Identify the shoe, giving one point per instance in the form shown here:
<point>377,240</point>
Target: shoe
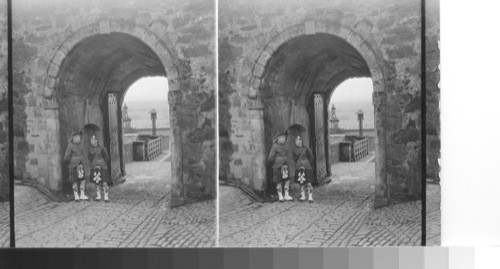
<point>75,193</point>
<point>311,197</point>
<point>280,195</point>
<point>106,198</point>
<point>287,196</point>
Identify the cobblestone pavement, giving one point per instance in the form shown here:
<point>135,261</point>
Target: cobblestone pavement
<point>138,216</point>
<point>4,224</point>
<point>342,215</point>
<point>433,215</point>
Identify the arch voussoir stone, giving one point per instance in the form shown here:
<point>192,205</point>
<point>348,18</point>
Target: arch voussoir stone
<point>258,70</point>
<point>355,39</point>
<point>59,56</point>
<point>150,39</point>
<point>159,28</point>
<point>53,69</point>
<point>105,27</point>
<point>264,57</point>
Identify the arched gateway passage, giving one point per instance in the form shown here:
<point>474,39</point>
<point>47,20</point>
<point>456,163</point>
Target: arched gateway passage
<point>89,76</point>
<point>92,83</point>
<point>297,79</point>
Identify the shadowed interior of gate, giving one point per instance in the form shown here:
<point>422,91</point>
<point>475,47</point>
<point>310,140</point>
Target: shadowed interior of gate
<point>93,68</point>
<point>300,68</point>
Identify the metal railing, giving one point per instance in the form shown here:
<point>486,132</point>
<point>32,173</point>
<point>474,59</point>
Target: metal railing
<point>153,148</point>
<point>353,148</point>
<point>360,149</point>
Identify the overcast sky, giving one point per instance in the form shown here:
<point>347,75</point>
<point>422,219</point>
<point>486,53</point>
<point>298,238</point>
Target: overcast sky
<point>148,89</point>
<point>156,89</point>
<point>353,90</point>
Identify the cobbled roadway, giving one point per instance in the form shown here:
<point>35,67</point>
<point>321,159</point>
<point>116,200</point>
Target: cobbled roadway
<point>342,215</point>
<point>138,216</point>
<point>4,225</point>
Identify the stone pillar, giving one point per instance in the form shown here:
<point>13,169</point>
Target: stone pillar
<point>258,145</point>
<point>153,120</point>
<point>177,190</point>
<point>53,144</point>
<point>360,120</point>
<point>381,196</point>
<point>258,149</point>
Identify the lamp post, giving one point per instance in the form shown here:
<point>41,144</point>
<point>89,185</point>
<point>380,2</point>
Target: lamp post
<point>360,120</point>
<point>153,120</point>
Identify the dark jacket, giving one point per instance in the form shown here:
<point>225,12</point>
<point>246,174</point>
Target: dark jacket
<point>278,155</point>
<point>73,155</point>
<point>98,156</point>
<point>303,156</point>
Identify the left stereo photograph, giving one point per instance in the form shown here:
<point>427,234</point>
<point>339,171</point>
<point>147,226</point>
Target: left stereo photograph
<point>4,160</point>
<point>114,123</point>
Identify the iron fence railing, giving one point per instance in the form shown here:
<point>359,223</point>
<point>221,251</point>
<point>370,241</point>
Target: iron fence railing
<point>360,149</point>
<point>353,148</point>
<point>153,148</point>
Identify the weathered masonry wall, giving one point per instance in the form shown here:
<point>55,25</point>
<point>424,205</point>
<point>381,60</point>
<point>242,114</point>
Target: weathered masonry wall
<point>432,58</point>
<point>4,176</point>
<point>387,35</point>
<point>177,34</point>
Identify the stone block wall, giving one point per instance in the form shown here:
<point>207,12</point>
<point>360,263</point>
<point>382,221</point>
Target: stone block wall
<point>4,123</point>
<point>181,32</point>
<point>432,55</point>
<point>388,28</point>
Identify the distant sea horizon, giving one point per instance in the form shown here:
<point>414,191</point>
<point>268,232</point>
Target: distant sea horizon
<point>346,113</point>
<point>138,111</point>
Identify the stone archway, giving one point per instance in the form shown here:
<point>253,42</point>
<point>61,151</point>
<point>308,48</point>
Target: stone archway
<point>298,70</point>
<point>96,64</point>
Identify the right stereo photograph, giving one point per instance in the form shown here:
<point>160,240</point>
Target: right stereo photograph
<point>321,123</point>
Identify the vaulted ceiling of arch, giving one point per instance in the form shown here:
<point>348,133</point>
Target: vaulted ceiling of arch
<point>105,63</point>
<point>311,63</point>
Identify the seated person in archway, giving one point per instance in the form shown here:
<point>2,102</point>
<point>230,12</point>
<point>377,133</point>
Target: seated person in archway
<point>74,158</point>
<point>99,157</point>
<point>278,157</point>
<point>303,158</point>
